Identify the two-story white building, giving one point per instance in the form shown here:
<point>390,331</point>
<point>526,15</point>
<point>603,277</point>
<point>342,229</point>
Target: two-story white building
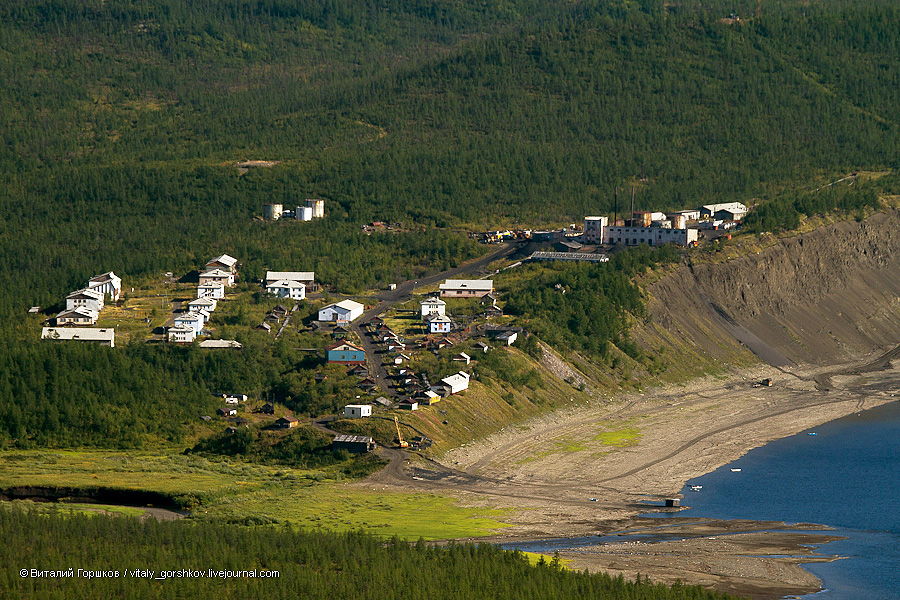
<point>206,303</point>
<point>433,306</point>
<point>190,319</point>
<point>285,288</point>
<point>91,299</point>
<point>215,291</point>
<point>78,316</point>
<point>436,323</point>
<point>182,334</point>
<point>107,283</point>
<point>652,236</point>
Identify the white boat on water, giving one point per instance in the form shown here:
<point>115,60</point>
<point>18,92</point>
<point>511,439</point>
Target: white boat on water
<point>696,488</point>
<point>735,470</point>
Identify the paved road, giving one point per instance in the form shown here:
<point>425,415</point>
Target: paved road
<point>404,291</point>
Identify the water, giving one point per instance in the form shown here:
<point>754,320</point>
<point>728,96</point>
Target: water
<point>846,476</point>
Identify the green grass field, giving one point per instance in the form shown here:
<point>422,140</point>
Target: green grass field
<point>237,492</point>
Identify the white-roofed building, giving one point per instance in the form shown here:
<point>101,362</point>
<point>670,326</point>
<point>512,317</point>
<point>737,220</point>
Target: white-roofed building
<point>304,277</point>
<point>433,306</point>
<point>190,319</point>
<point>206,303</point>
<point>466,288</point>
<point>226,278</point>
<point>211,290</point>
<point>456,383</point>
<point>735,211</point>
<point>104,337</point>
<point>86,298</point>
<point>285,288</point>
<point>691,214</point>
<point>107,283</point>
<point>357,411</point>
<point>182,334</point>
<point>438,323</point>
<point>652,236</point>
<point>78,316</point>
<point>221,344</point>
<point>345,311</point>
<point>224,262</point>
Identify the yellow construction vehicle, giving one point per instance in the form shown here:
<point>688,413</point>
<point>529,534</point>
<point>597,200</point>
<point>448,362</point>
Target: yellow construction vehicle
<point>403,443</point>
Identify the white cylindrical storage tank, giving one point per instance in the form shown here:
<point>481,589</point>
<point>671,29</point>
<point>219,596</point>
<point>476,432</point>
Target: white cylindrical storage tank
<point>304,213</point>
<point>678,221</point>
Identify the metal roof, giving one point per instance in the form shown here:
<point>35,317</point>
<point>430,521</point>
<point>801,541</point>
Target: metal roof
<point>91,293</point>
<point>569,256</point>
<point>226,260</point>
<point>357,439</point>
<point>220,344</point>
<point>82,334</point>
<point>286,283</point>
<point>215,273</point>
<point>290,275</point>
<point>468,284</point>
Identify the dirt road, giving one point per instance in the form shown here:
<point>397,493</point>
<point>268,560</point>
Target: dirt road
<point>404,291</point>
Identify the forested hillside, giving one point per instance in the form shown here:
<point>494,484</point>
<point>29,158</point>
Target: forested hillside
<point>307,565</point>
<point>123,120</point>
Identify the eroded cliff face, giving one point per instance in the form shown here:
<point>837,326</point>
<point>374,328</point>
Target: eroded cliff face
<point>823,297</point>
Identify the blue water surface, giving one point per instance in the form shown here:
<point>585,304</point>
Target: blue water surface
<point>845,474</point>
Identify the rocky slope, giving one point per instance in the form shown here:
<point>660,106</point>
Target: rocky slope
<point>823,297</point>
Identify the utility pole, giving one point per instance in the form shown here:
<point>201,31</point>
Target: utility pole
<point>616,209</point>
<point>632,204</point>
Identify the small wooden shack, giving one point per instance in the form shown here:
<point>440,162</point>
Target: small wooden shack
<point>357,444</point>
<point>286,422</point>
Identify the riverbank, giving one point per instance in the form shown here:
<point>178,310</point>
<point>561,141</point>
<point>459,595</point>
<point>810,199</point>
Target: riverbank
<point>592,470</point>
<point>755,559</point>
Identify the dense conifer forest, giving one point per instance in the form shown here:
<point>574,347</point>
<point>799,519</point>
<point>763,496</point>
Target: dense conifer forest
<point>348,566</point>
<point>585,307</point>
<point>123,121</point>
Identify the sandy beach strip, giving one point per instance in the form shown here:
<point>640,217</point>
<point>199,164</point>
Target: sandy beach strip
<point>563,480</point>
